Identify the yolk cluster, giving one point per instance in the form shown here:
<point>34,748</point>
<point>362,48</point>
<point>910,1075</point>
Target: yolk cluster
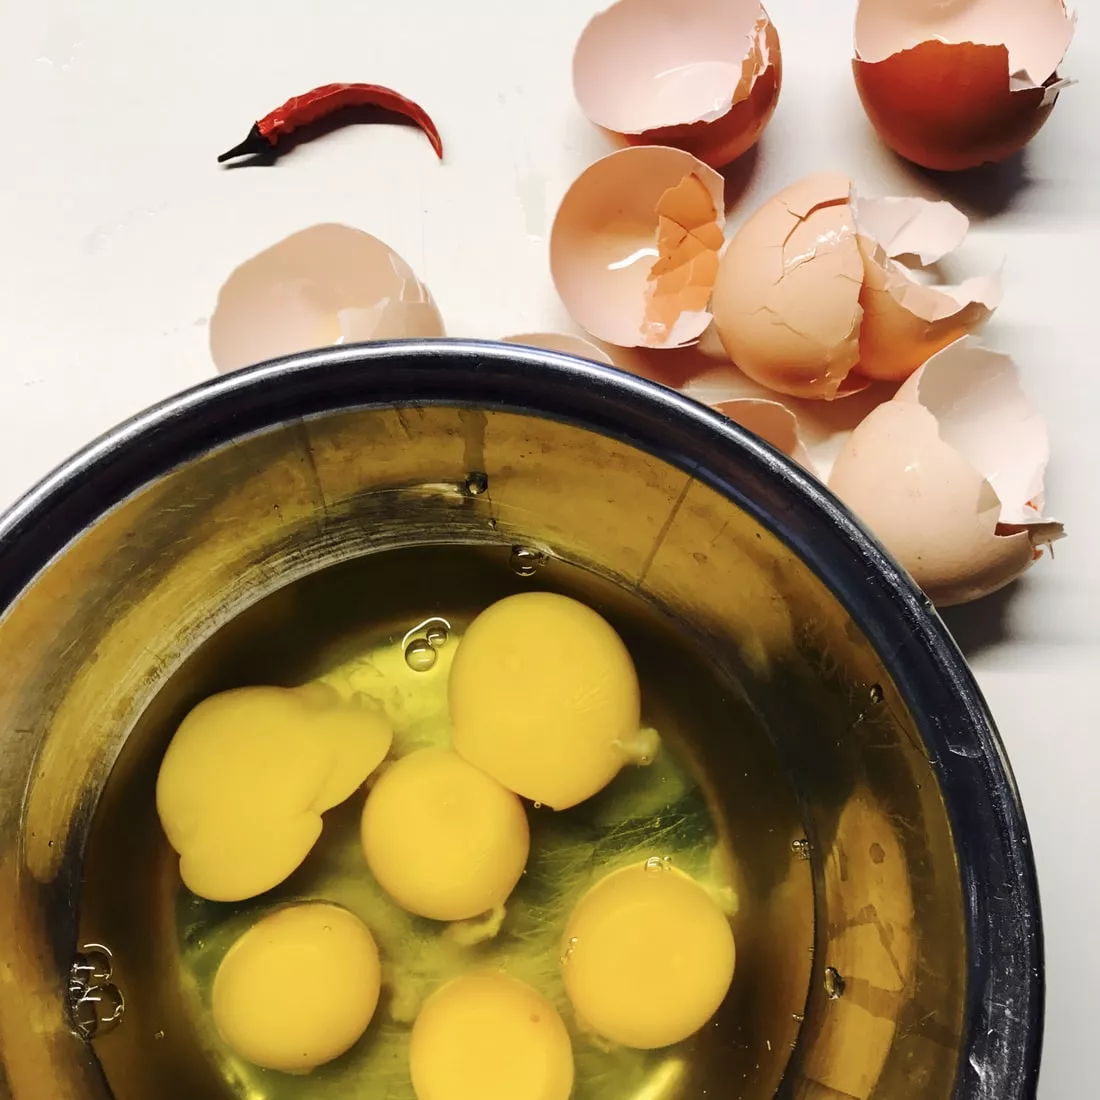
<point>545,705</point>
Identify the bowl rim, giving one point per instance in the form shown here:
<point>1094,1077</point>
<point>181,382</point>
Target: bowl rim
<point>1003,1020</point>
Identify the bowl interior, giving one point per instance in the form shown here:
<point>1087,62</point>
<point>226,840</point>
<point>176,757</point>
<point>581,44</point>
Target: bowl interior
<point>264,559</point>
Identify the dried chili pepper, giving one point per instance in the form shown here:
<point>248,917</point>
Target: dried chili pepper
<point>322,102</point>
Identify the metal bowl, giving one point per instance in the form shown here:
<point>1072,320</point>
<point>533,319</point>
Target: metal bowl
<point>904,957</point>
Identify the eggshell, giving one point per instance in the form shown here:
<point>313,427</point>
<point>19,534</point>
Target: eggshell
<point>563,342</point>
<point>772,421</point>
<point>701,75</point>
<point>811,300</point>
<point>954,86</point>
<point>949,475</point>
<point>635,244</point>
<point>786,300</point>
<point>904,321</point>
<point>325,285</point>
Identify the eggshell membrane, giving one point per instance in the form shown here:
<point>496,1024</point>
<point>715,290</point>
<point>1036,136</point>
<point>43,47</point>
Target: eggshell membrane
<point>635,244</point>
<point>925,486</point>
<point>247,775</point>
<point>786,300</point>
<point>561,341</point>
<point>952,87</point>
<point>701,75</point>
<point>325,285</point>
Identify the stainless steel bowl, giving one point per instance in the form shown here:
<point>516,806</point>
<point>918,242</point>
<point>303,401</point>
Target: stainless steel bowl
<point>906,959</point>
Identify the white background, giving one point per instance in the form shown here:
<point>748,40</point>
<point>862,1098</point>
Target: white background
<point>117,228</point>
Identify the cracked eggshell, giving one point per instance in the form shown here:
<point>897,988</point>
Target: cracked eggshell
<point>906,322</point>
<point>701,75</point>
<point>635,244</point>
<point>948,475</point>
<point>561,341</point>
<point>953,86</point>
<point>786,300</point>
<point>325,285</point>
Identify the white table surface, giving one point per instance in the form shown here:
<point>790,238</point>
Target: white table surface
<point>117,229</point>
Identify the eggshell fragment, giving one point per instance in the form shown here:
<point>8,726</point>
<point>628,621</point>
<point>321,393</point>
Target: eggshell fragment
<point>563,342</point>
<point>635,244</point>
<point>701,75</point>
<point>954,86</point>
<point>811,300</point>
<point>325,285</point>
<point>905,322</point>
<point>949,475</point>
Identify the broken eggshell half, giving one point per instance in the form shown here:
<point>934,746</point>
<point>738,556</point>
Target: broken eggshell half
<point>701,75</point>
<point>635,244</point>
<point>326,285</point>
<point>561,341</point>
<point>953,86</point>
<point>812,301</point>
<point>949,475</point>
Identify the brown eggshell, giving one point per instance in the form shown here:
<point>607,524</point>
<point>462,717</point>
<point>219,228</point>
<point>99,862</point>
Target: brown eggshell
<point>326,285</point>
<point>561,341</point>
<point>772,421</point>
<point>930,508</point>
<point>947,107</point>
<point>954,86</point>
<point>905,323</point>
<point>635,244</point>
<point>786,301</point>
<point>701,75</point>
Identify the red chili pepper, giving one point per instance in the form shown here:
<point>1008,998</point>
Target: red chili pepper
<point>322,102</point>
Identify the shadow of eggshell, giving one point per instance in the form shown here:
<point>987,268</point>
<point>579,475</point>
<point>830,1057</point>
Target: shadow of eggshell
<point>635,244</point>
<point>955,86</point>
<point>701,75</point>
<point>326,285</point>
<point>563,342</point>
<point>949,475</point>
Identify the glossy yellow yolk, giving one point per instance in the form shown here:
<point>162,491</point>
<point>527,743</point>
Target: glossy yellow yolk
<point>544,697</point>
<point>443,839</point>
<point>490,1037</point>
<point>647,956</point>
<point>298,988</point>
<point>247,776</point>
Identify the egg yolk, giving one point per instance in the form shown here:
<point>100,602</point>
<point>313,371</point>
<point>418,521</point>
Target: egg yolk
<point>298,988</point>
<point>443,839</point>
<point>487,1036</point>
<point>647,956</point>
<point>247,776</point>
<point>544,697</point>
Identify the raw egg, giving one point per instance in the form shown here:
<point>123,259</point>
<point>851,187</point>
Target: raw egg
<point>647,956</point>
<point>488,1036</point>
<point>949,475</point>
<point>956,85</point>
<point>326,285</point>
<point>249,772</point>
<point>701,75</point>
<point>298,988</point>
<point>443,839</point>
<point>812,301</point>
<point>634,247</point>
<point>544,698</point>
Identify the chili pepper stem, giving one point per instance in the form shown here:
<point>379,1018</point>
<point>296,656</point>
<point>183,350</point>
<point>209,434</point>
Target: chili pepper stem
<point>255,143</point>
